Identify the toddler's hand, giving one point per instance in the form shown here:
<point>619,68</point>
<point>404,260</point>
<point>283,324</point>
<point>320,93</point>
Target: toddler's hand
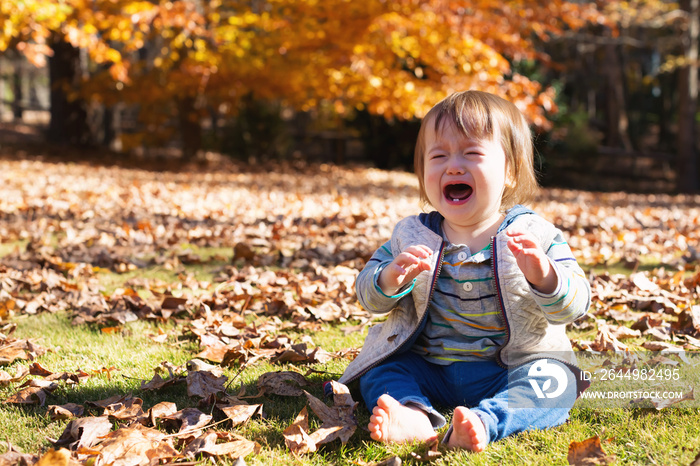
<point>404,268</point>
<point>532,260</point>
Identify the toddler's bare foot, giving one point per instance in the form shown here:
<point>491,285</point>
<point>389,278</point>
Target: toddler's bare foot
<point>468,431</point>
<point>392,422</point>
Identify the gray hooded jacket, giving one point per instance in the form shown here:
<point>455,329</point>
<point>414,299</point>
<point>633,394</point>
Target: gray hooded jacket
<point>529,333</point>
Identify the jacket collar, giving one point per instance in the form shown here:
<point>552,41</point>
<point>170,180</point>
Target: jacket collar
<point>433,220</point>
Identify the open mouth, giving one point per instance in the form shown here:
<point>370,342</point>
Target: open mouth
<point>458,192</point>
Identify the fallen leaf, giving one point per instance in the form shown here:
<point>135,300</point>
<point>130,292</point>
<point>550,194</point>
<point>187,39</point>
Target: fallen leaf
<point>109,401</point>
<point>61,457</point>
<point>194,365</point>
<point>240,413</point>
<point>622,332</point>
<point>689,321</point>
<point>204,384</point>
<point>129,409</point>
<point>189,420</point>
<point>606,341</point>
<point>134,446</point>
<point>238,448</point>
<point>588,453</point>
<point>66,411</point>
<point>83,432</point>
<point>161,410</point>
<point>13,456</point>
<point>642,282</point>
<point>427,453</point>
<point>296,436</point>
<point>661,346</point>
<point>337,421</point>
<point>661,403</point>
<point>157,382</point>
<point>20,373</point>
<point>32,395</point>
<point>284,383</point>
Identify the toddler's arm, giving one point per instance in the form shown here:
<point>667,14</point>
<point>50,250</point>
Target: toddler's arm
<point>559,285</point>
<point>384,279</point>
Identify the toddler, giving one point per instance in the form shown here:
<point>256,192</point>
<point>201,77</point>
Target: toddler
<point>477,292</point>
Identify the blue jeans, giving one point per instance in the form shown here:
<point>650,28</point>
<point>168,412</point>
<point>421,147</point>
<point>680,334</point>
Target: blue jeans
<point>505,400</point>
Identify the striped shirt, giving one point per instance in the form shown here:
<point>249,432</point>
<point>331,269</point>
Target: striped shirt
<point>464,320</point>
<point>464,323</point>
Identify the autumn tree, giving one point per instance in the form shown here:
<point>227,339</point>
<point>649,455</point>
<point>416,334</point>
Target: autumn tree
<point>688,174</point>
<point>394,59</point>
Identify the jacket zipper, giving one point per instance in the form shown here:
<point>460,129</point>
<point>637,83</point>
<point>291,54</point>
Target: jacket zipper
<point>438,269</point>
<point>499,302</point>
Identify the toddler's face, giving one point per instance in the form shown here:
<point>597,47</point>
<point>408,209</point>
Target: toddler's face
<point>464,177</point>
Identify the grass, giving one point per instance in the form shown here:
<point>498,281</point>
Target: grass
<point>636,436</point>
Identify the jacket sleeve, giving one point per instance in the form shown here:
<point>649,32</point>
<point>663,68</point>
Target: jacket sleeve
<point>572,297</point>
<point>369,294</point>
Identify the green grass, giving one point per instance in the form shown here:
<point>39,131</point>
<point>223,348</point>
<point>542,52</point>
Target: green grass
<point>12,246</point>
<point>636,436</point>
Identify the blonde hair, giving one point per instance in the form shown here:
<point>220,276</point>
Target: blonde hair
<point>480,115</point>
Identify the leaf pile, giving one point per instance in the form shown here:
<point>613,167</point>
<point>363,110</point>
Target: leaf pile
<point>119,430</point>
<point>290,243</point>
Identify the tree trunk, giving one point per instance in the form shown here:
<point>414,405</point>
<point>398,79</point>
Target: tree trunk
<point>190,127</point>
<point>68,114</point>
<point>687,168</point>
<point>616,111</point>
<point>17,105</point>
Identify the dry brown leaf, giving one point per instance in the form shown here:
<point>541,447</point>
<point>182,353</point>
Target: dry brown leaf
<point>428,452</point>
<point>661,346</point>
<point>134,446</point>
<point>238,448</point>
<point>284,383</point>
<point>13,456</point>
<point>61,457</point>
<point>661,403</point>
<point>196,445</point>
<point>109,401</point>
<point>588,453</point>
<point>606,341</point>
<point>188,420</point>
<point>84,432</point>
<point>622,332</point>
<point>66,411</point>
<point>12,350</point>
<point>31,395</point>
<point>689,321</point>
<point>20,373</point>
<point>337,421</point>
<point>204,384</point>
<point>296,436</point>
<point>162,409</point>
<point>216,352</point>
<point>300,353</point>
<point>157,382</point>
<point>240,413</point>
<point>647,321</point>
<point>129,409</point>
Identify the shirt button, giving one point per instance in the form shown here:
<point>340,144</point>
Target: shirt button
<point>467,286</point>
<point>462,256</point>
